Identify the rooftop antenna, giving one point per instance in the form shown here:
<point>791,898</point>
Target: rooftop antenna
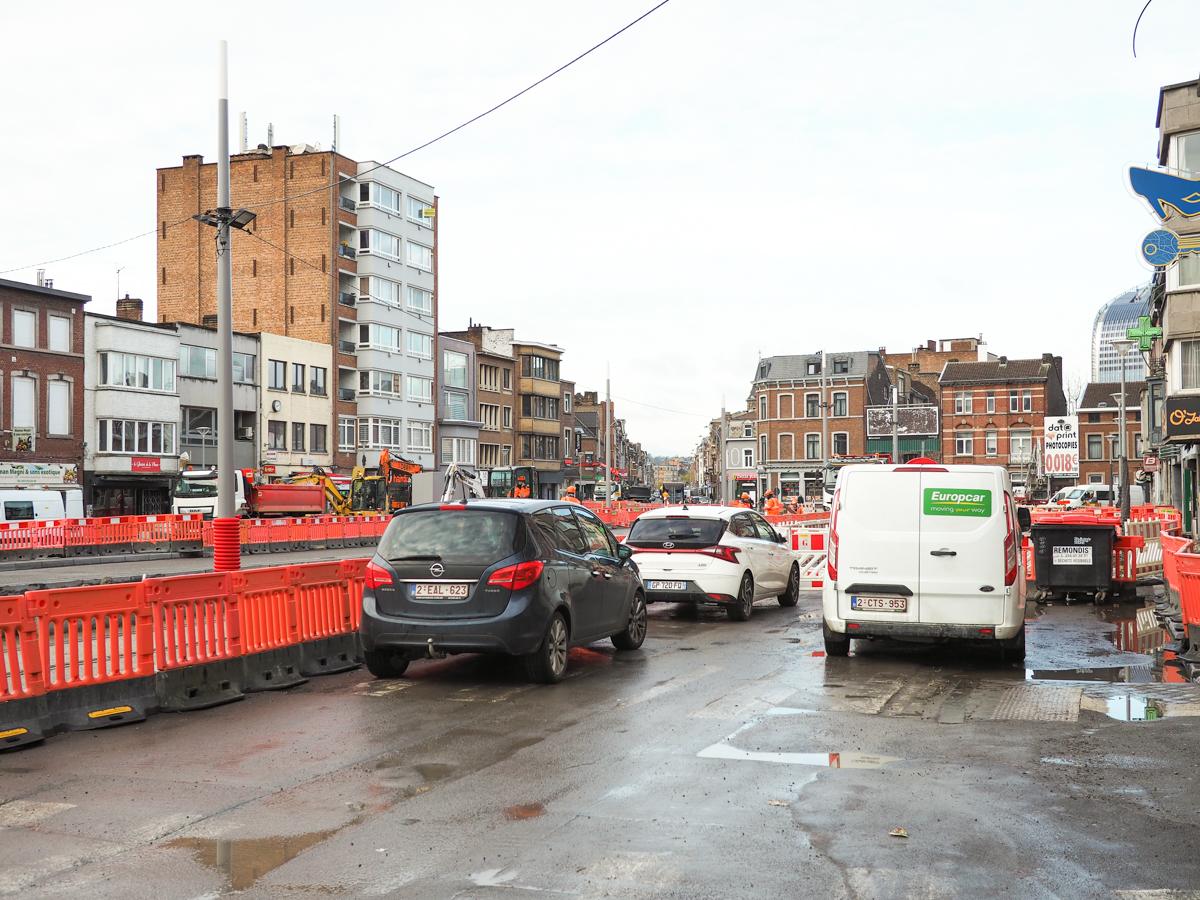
<point>270,135</point>
<point>337,131</point>
<point>119,268</point>
<point>244,141</point>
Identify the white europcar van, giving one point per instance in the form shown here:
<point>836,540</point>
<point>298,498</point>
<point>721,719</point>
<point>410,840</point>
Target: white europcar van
<point>925,552</point>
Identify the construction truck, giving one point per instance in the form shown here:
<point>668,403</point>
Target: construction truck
<point>386,492</point>
<point>196,492</point>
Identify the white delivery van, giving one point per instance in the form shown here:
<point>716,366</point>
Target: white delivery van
<point>40,505</point>
<point>925,552</point>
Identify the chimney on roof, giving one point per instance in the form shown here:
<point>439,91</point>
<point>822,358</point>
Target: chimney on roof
<point>1047,357</point>
<point>931,346</point>
<point>1003,361</point>
<point>41,278</point>
<point>129,308</point>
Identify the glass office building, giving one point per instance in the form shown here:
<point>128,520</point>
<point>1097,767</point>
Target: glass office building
<point>1112,321</point>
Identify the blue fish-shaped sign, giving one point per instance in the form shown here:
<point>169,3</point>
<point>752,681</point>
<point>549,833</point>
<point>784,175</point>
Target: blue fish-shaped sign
<point>1166,192</point>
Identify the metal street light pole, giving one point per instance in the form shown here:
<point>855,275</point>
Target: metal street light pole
<point>824,404</point>
<point>1123,346</point>
<point>607,442</point>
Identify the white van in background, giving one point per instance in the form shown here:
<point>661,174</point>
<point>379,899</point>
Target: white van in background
<point>40,505</point>
<point>925,552</point>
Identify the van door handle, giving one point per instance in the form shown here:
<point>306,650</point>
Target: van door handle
<point>943,552</point>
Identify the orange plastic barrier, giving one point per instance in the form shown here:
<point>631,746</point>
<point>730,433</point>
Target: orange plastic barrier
<point>1188,568</point>
<point>322,605</point>
<point>20,662</point>
<point>267,606</point>
<point>354,572</point>
<point>92,635</point>
<point>195,619</point>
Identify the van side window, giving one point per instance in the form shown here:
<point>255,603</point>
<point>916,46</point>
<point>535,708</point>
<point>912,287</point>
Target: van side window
<point>18,510</point>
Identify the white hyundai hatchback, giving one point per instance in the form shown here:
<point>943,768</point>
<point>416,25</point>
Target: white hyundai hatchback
<point>720,555</point>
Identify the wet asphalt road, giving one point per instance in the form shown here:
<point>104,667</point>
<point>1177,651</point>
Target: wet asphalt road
<point>721,760</point>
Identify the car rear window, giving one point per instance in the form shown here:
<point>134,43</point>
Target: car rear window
<point>682,531</point>
<point>457,537</point>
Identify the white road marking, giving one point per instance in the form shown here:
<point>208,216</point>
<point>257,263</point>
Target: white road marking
<point>723,750</point>
<point>23,813</point>
<point>383,690</point>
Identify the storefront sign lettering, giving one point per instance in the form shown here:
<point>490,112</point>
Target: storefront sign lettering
<point>1183,417</point>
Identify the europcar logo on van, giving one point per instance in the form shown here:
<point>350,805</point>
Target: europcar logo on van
<point>947,502</point>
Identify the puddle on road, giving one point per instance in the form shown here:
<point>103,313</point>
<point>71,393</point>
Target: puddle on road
<point>839,760</point>
<point>1130,708</point>
<point>244,861</point>
<point>410,780</point>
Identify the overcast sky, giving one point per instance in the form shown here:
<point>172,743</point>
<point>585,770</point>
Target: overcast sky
<point>725,180</point>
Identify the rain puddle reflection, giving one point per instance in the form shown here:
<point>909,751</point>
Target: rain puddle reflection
<point>244,861</point>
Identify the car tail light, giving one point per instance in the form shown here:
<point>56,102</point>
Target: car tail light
<point>831,552</point>
<point>725,554</point>
<point>446,506</point>
<point>1010,546</point>
<point>518,577</point>
<point>377,576</point>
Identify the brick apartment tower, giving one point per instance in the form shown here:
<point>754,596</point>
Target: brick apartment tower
<point>295,272</point>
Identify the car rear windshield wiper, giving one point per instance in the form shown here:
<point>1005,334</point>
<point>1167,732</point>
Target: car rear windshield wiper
<point>431,557</point>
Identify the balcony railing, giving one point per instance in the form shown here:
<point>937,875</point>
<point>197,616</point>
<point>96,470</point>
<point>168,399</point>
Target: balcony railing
<point>347,251</point>
<point>348,204</point>
<point>347,298</point>
<point>346,394</point>
<point>347,347</point>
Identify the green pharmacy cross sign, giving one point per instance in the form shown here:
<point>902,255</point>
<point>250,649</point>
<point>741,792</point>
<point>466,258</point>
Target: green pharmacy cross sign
<point>1144,333</point>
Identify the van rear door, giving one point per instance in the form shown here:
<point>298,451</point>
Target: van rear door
<point>879,565</point>
<point>963,526</point>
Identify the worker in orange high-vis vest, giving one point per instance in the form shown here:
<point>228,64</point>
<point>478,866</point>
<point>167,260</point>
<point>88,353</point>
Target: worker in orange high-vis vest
<point>571,496</point>
<point>772,506</point>
<point>521,491</point>
<point>744,501</point>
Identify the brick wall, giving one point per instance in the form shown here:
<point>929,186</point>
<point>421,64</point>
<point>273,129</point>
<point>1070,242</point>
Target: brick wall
<point>979,421</point>
<point>1105,468</point>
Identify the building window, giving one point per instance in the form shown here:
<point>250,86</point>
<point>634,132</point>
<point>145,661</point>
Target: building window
<point>506,379</point>
<point>420,437</point>
<point>60,334</point>
<point>489,377</point>
<point>382,289</point>
<point>379,242</point>
<point>1020,446</point>
<point>1189,364</point>
<point>489,455</point>
<point>539,367</point>
<point>841,443</point>
<point>276,375</point>
<point>454,369</point>
<point>243,368</point>
<point>812,446</point>
<point>1185,153</point>
<point>812,406</point>
<point>381,384</point>
<point>345,432</point>
<point>127,436</point>
<point>199,427</point>
<point>506,455</point>
<point>317,378</point>
<point>1186,272</point>
<point>962,402</point>
<point>197,362</point>
<point>420,256</point>
<point>420,300</point>
<point>1095,478</point>
<point>748,457</point>
<point>378,432</point>
<point>419,390</point>
<point>538,407</point>
<point>317,438</point>
<point>1093,418</point>
<point>132,371</point>
<point>841,366</point>
<point>747,430</point>
<point>539,446</point>
<point>58,408</point>
<point>964,444</point>
<point>787,446</point>
<point>762,448</point>
<point>419,345</point>
<point>506,418</point>
<point>24,405</point>
<point>1027,401</point>
<point>456,404</point>
<point>379,337</point>
<point>841,404</point>
<point>1095,446</point>
<point>298,378</point>
<point>991,443</point>
<point>813,367</point>
<point>276,435</point>
<point>416,210</point>
<point>762,406</point>
<point>298,437</point>
<point>1014,402</point>
<point>785,406</point>
<point>381,196</point>
<point>24,328</point>
<point>1114,446</point>
<point>489,415</point>
<point>458,450</point>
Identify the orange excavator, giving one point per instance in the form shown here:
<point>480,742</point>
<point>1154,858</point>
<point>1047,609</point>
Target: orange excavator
<point>390,490</point>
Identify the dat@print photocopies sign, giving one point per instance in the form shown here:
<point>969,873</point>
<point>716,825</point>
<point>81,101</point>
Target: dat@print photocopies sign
<point>1061,445</point>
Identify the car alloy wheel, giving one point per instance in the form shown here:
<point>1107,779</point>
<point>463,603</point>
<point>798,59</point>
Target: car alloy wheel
<point>637,619</point>
<point>556,647</point>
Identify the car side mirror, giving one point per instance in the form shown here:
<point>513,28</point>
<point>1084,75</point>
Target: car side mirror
<point>624,552</point>
<point>1024,519</point>
<point>779,538</point>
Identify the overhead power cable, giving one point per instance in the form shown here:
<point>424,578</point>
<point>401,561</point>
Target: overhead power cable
<point>398,157</point>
